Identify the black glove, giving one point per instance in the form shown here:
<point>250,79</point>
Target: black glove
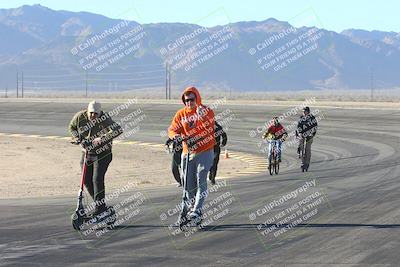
<point>84,143</point>
<point>191,142</point>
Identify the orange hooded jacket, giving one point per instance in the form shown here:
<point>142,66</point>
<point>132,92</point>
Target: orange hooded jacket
<point>196,123</point>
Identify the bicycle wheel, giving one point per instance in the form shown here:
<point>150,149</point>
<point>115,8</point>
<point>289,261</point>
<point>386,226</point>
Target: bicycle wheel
<point>271,168</point>
<point>276,167</point>
<point>272,161</point>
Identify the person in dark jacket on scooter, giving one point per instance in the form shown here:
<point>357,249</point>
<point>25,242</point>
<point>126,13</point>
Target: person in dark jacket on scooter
<point>220,141</point>
<point>306,130</point>
<point>97,129</point>
<point>176,151</point>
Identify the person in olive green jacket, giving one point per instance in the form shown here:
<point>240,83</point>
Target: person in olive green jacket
<point>96,129</point>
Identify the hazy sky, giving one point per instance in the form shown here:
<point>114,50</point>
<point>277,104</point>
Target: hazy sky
<point>333,15</point>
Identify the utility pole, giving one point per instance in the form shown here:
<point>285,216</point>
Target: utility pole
<point>166,80</point>
<point>17,83</point>
<point>22,85</point>
<point>86,84</point>
<point>372,83</point>
<point>169,83</point>
<point>6,90</point>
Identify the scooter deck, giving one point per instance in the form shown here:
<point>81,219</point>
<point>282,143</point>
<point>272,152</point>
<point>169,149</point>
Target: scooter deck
<point>190,223</point>
<point>78,220</point>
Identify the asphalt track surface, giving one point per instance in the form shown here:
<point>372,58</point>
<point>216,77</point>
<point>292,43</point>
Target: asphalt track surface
<point>355,164</point>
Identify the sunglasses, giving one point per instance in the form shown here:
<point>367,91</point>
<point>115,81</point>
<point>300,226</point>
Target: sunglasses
<point>190,100</point>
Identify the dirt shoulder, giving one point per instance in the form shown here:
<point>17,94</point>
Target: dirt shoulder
<point>34,167</point>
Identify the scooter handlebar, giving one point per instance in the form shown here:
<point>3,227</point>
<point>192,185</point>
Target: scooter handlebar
<point>82,142</point>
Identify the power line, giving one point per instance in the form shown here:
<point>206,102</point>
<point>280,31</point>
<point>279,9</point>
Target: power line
<point>92,73</point>
<point>93,81</point>
<point>78,67</point>
<point>54,76</point>
<point>50,82</point>
<point>137,79</point>
<point>80,81</point>
<point>126,73</point>
<point>97,86</point>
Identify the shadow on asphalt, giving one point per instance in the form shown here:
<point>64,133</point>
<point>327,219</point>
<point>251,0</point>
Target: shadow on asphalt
<point>223,227</point>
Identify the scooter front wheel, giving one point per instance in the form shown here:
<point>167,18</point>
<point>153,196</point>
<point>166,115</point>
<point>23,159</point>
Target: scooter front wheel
<point>77,221</point>
<point>112,217</point>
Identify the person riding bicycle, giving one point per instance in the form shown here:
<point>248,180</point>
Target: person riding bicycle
<point>275,132</point>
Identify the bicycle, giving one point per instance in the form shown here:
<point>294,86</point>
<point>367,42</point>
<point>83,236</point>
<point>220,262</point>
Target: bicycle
<point>273,161</point>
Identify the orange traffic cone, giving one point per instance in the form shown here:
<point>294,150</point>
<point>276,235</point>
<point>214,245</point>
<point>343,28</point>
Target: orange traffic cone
<point>226,154</point>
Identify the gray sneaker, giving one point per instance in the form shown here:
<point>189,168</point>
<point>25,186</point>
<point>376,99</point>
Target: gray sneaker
<point>195,217</point>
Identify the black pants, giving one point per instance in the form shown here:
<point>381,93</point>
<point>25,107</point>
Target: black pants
<point>214,168</point>
<point>94,180</point>
<point>176,162</point>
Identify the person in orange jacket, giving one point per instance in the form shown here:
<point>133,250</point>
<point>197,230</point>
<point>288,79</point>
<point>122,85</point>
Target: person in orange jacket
<point>194,124</point>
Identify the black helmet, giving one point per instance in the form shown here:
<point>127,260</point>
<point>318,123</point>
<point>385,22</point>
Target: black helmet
<point>306,109</point>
